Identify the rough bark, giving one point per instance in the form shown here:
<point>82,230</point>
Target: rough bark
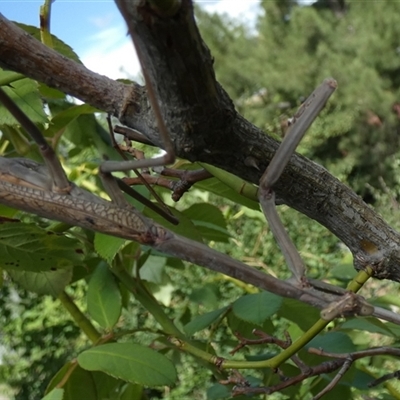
<point>203,123</point>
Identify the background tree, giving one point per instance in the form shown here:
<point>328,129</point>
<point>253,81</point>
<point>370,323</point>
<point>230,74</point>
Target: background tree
<point>267,72</point>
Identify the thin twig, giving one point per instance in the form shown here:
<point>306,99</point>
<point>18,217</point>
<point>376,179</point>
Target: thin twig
<point>344,368</point>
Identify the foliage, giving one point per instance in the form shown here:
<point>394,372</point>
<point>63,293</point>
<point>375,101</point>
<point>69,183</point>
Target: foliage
<point>292,50</point>
<point>145,326</point>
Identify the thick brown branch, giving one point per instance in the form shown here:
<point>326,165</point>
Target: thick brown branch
<point>204,125</point>
<point>20,52</point>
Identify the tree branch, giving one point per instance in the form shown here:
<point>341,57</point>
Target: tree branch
<point>203,123</point>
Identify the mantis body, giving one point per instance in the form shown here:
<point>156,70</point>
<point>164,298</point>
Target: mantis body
<point>42,190</point>
<point>46,191</point>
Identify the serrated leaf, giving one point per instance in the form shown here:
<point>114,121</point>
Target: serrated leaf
<point>130,362</point>
<point>26,95</point>
<point>107,246</point>
<point>245,328</point>
<point>50,93</point>
<point>203,321</point>
<point>209,221</point>
<point>104,300</point>
<point>65,117</point>
<point>55,394</point>
<point>334,342</point>
<point>256,308</point>
<point>207,213</point>
<point>153,270</point>
<point>58,45</point>
<point>44,282</point>
<point>301,314</point>
<point>26,247</point>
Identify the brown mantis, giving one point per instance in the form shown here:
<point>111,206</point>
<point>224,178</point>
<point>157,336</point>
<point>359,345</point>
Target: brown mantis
<point>46,191</point>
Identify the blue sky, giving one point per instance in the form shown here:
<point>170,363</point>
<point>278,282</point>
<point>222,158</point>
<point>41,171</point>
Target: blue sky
<point>97,32</point>
<point>71,20</point>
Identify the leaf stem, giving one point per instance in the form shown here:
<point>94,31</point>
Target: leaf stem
<point>354,286</point>
<point>145,298</point>
<point>45,14</point>
<point>79,318</point>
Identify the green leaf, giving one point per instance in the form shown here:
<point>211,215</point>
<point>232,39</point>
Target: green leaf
<point>58,45</point>
<point>50,93</point>
<point>218,391</point>
<point>59,376</point>
<point>107,246</point>
<point>8,212</point>
<point>80,385</point>
<point>26,247</point>
<point>210,231</point>
<point>334,342</point>
<point>207,295</point>
<point>301,314</point>
<point>106,385</point>
<point>209,221</point>
<point>8,77</point>
<point>203,321</point>
<point>26,95</point>
<point>360,380</point>
<point>230,186</point>
<point>132,391</point>
<point>256,308</point>
<point>153,270</point>
<point>367,325</point>
<point>44,282</point>
<point>56,394</point>
<point>246,329</point>
<point>65,117</point>
<point>131,362</point>
<point>185,227</point>
<point>343,272</point>
<point>340,391</point>
<point>206,212</point>
<point>104,300</point>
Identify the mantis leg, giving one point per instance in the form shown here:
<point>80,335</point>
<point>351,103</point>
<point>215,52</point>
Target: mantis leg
<point>301,121</point>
